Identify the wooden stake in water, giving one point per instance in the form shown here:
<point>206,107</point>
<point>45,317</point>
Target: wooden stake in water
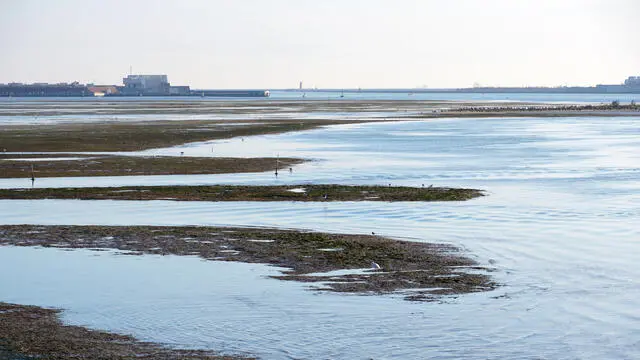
<point>277,161</point>
<point>33,176</point>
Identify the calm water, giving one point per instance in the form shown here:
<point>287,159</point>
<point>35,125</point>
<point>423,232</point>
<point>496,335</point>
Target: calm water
<point>335,95</point>
<point>560,227</point>
<point>546,98</point>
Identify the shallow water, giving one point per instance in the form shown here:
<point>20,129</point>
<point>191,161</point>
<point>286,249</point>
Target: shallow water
<point>335,95</point>
<point>560,226</point>
<point>237,118</point>
<point>327,105</point>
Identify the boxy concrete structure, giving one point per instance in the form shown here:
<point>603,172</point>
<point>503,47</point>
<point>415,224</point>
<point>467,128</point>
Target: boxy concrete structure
<point>146,85</point>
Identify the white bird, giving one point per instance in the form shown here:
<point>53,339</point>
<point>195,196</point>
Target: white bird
<point>375,266</point>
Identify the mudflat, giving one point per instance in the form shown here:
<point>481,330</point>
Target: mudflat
<point>415,270</point>
<point>143,135</point>
<point>31,332</point>
<point>59,140</point>
<point>12,166</point>
<point>250,193</point>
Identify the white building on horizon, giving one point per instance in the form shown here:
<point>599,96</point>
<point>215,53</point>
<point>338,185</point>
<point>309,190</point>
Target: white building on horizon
<point>632,81</point>
<point>146,85</point>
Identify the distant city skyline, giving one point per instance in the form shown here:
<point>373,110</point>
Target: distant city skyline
<point>324,44</point>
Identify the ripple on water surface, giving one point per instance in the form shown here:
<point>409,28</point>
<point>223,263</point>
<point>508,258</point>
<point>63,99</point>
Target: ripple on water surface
<point>559,225</point>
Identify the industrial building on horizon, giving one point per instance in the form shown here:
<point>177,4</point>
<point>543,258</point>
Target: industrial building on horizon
<point>632,81</point>
<point>631,84</point>
<point>150,85</point>
<point>133,85</point>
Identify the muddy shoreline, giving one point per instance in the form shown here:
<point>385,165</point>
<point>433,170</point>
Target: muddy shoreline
<point>31,332</point>
<point>12,166</point>
<point>141,135</point>
<point>249,193</point>
<point>20,145</point>
<point>415,270</point>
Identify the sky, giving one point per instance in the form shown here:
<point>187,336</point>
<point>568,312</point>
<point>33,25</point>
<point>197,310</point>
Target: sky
<point>275,44</point>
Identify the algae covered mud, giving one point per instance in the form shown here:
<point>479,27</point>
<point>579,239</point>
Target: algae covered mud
<point>31,332</point>
<point>104,149</point>
<point>428,270</point>
<point>38,167</point>
<point>308,192</point>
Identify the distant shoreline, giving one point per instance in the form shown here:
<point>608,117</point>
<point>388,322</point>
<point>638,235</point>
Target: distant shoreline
<point>80,92</point>
<point>482,90</point>
<point>543,110</point>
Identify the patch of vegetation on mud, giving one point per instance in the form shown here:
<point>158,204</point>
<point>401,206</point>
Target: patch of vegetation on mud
<point>417,270</point>
<point>249,193</point>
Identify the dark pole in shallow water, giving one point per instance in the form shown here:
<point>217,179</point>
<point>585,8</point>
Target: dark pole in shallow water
<point>277,159</point>
<point>33,176</point>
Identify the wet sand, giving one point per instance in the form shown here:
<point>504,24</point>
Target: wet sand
<point>31,332</point>
<point>249,193</point>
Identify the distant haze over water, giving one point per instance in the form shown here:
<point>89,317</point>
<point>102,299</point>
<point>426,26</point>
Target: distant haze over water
<point>408,95</point>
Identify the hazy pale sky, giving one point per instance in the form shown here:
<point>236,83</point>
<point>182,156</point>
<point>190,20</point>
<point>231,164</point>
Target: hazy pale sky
<point>325,43</point>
